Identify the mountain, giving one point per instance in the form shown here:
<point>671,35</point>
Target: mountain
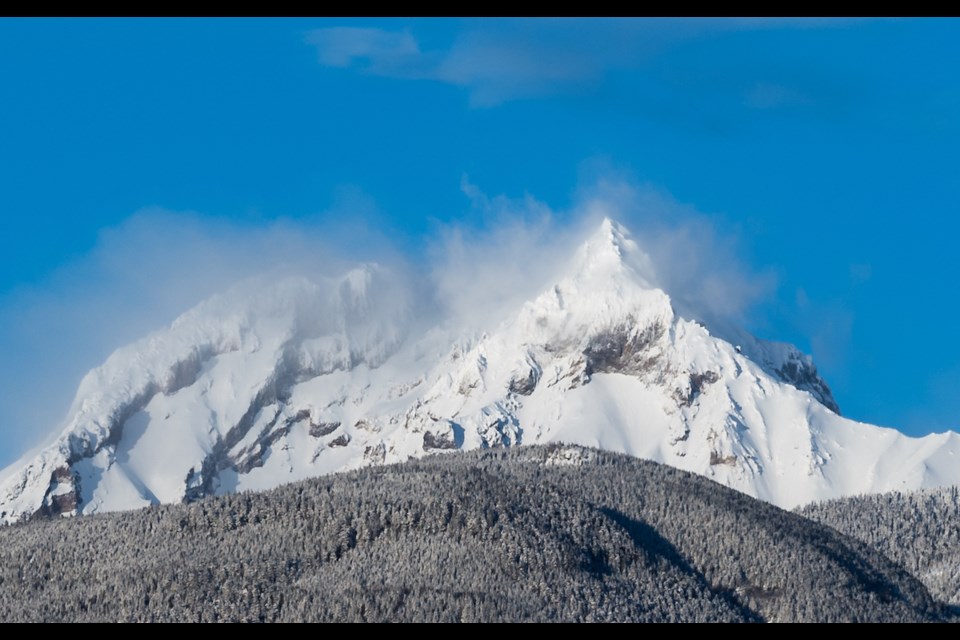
<point>284,379</point>
<point>920,530</point>
<point>539,533</point>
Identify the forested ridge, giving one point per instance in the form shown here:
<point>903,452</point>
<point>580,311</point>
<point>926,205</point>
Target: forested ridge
<point>918,529</point>
<point>551,533</point>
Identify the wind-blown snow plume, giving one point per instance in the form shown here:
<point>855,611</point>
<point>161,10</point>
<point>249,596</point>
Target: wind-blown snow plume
<point>697,260</point>
<point>694,260</point>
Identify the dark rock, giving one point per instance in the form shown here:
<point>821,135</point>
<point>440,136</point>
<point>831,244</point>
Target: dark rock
<point>63,503</point>
<point>698,382</point>
<point>525,385</point>
<point>300,416</point>
<point>323,428</point>
<point>342,441</point>
<point>250,463</point>
<point>623,349</point>
<point>252,456</point>
<point>185,372</point>
<point>375,453</point>
<point>62,474</point>
<point>438,441</point>
<point>716,458</point>
<point>801,373</point>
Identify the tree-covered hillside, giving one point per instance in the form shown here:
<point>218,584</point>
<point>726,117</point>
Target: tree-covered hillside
<point>532,533</point>
<point>920,530</point>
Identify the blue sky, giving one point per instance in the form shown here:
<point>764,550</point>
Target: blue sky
<point>823,155</point>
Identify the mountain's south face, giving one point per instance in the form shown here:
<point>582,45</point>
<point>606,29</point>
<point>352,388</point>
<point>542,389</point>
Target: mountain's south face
<point>297,378</point>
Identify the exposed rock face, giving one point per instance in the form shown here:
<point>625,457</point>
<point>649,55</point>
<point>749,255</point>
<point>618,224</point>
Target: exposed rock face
<point>340,441</point>
<point>626,348</point>
<point>686,396</point>
<point>63,494</point>
<point>323,428</point>
<point>525,385</point>
<point>801,373</point>
<point>442,440</point>
<point>716,458</point>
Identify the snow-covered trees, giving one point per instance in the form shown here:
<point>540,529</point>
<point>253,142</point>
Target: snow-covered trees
<point>920,530</point>
<point>492,535</point>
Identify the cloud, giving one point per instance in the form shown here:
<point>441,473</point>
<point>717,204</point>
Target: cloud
<point>157,264</point>
<point>496,62</point>
<point>482,271</point>
<point>376,50</point>
<point>696,256</point>
<point>501,60</point>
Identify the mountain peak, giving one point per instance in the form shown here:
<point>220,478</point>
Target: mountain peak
<point>611,255</point>
<point>610,226</point>
<point>611,236</point>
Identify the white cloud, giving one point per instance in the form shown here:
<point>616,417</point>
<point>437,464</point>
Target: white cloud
<point>501,60</point>
<point>483,272</point>
<point>524,242</point>
<point>377,50</point>
<point>496,61</point>
<point>697,259</point>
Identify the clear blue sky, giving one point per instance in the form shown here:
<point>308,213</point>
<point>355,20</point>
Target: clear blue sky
<point>829,148</point>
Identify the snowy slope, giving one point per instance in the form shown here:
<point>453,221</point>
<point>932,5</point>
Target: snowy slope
<point>278,381</point>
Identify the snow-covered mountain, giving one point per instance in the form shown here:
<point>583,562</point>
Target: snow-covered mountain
<point>276,381</point>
